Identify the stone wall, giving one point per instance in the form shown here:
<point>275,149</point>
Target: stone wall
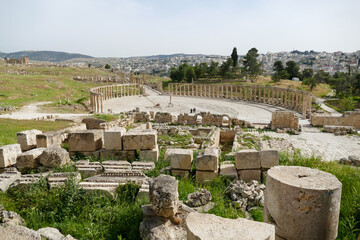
<point>347,119</point>
<point>23,60</point>
<point>296,100</point>
<point>284,120</point>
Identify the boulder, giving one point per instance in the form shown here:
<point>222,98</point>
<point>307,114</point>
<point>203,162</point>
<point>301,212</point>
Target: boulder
<point>27,139</point>
<point>54,156</point>
<point>208,160</point>
<point>8,155</point>
<point>10,218</point>
<point>197,199</point>
<point>164,195</point>
<point>202,226</point>
<point>29,159</point>
<point>50,233</point>
<point>16,232</point>
<point>355,159</point>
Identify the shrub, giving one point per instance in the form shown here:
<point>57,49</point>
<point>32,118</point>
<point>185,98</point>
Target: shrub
<point>348,104</point>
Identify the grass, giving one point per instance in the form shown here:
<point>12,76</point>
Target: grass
<point>335,104</point>
<point>9,128</point>
<point>107,117</point>
<point>180,141</point>
<point>349,223</point>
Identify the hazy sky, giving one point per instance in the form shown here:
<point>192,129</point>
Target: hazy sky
<point>121,28</point>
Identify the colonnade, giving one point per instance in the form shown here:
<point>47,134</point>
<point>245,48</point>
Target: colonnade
<point>99,94</point>
<point>296,100</point>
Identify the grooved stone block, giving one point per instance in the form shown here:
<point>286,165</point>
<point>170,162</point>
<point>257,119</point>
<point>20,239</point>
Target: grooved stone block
<point>8,155</point>
<point>29,159</point>
<point>85,141</point>
<point>113,138</point>
<point>269,158</point>
<point>27,139</point>
<point>248,175</point>
<point>208,160</point>
<point>247,159</point>
<point>179,158</point>
<point>140,139</point>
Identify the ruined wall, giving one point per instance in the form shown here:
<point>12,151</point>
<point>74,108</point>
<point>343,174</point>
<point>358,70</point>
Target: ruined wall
<point>347,119</point>
<point>284,119</point>
<point>296,100</point>
<point>23,60</point>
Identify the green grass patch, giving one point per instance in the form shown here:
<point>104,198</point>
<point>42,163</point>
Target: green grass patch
<point>9,128</point>
<point>107,117</point>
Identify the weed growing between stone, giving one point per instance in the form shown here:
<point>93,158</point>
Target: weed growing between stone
<point>349,224</point>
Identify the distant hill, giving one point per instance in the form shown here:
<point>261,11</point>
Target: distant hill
<point>50,56</point>
<point>175,55</point>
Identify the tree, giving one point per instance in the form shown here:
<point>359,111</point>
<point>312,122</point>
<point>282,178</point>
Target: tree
<point>234,57</point>
<point>225,68</point>
<point>251,67</point>
<point>190,74</point>
<point>107,66</point>
<point>322,77</point>
<point>307,73</point>
<point>280,72</point>
<point>200,70</point>
<point>311,82</point>
<point>213,69</point>
<point>293,69</point>
<point>278,66</point>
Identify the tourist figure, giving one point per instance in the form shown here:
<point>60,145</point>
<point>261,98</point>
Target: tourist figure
<point>191,110</point>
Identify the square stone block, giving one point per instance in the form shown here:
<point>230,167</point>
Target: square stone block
<point>247,159</point>
<point>113,138</point>
<point>248,175</point>
<point>208,160</point>
<point>269,158</point>
<point>8,155</point>
<point>85,141</point>
<point>229,171</point>
<point>49,139</point>
<point>205,176</point>
<point>117,154</point>
<point>179,158</point>
<point>150,155</point>
<point>27,139</point>
<point>180,173</point>
<point>29,159</point>
<point>140,139</point>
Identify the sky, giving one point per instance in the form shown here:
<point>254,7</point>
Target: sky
<point>123,28</point>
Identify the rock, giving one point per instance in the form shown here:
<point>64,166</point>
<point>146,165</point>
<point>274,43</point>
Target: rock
<point>247,159</point>
<point>15,232</point>
<point>8,177</point>
<point>228,170</point>
<point>29,159</point>
<point>164,195</point>
<point>8,155</point>
<point>208,160</point>
<point>27,139</point>
<point>355,159</point>
<point>345,161</point>
<point>10,218</point>
<point>197,199</point>
<point>50,233</point>
<point>54,156</point>
<point>210,227</point>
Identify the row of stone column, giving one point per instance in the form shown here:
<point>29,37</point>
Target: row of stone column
<point>299,101</point>
<point>99,94</point>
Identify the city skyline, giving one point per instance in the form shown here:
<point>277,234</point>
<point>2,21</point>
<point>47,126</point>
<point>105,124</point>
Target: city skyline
<point>143,28</point>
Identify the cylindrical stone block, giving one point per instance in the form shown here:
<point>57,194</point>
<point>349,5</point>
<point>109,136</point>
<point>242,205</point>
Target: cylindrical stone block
<point>302,203</point>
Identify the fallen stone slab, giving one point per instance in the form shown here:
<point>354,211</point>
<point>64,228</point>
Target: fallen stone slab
<point>9,154</point>
<point>29,159</point>
<point>27,139</point>
<point>202,226</point>
<point>59,179</point>
<point>8,177</point>
<point>16,232</point>
<point>141,166</point>
<point>113,165</point>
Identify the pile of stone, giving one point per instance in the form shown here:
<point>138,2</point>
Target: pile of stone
<point>339,130</point>
<point>252,164</point>
<point>351,160</point>
<point>200,201</point>
<point>246,196</point>
<point>180,161</point>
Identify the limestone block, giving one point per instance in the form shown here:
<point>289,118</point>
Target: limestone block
<point>54,156</point>
<point>45,140</point>
<point>247,159</point>
<point>85,141</point>
<point>208,160</point>
<point>29,159</point>
<point>229,171</point>
<point>150,155</point>
<point>248,175</point>
<point>93,123</point>
<point>200,226</point>
<point>27,139</point>
<point>179,158</point>
<point>140,139</point>
<point>141,165</point>
<point>117,154</point>
<point>269,158</point>
<point>94,154</point>
<point>180,173</point>
<point>113,138</point>
<point>8,155</point>
<point>112,165</point>
<point>164,195</point>
<point>205,176</point>
<point>307,202</point>
<point>8,177</point>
